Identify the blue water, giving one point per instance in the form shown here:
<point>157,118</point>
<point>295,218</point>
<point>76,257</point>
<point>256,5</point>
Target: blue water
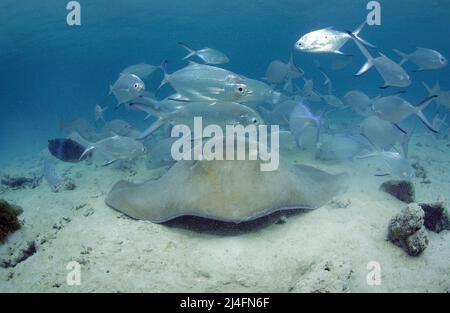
<point>51,71</point>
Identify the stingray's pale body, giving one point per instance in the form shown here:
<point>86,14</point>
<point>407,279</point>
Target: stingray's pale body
<point>229,191</point>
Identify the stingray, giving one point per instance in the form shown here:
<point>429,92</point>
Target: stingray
<point>226,191</point>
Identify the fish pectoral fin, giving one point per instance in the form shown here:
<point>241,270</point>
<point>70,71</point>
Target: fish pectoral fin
<point>382,175</point>
<point>342,53</point>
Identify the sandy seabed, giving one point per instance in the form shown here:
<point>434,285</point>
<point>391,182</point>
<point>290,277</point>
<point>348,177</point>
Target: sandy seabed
<point>325,250</point>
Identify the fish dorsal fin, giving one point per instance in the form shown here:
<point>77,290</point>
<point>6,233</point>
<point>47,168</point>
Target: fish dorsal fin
<point>329,28</point>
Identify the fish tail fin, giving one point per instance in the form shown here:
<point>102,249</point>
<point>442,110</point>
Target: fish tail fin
<point>110,90</point>
<point>422,106</point>
<point>166,76</point>
<point>406,140</point>
<point>365,68</point>
<point>320,121</point>
<point>162,65</point>
<point>85,152</point>
<point>368,65</point>
<point>403,55</point>
<point>294,66</point>
<point>327,79</point>
<point>191,52</point>
<point>356,34</point>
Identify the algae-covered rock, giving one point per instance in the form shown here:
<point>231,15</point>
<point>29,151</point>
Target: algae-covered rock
<point>407,230</point>
<point>8,219</point>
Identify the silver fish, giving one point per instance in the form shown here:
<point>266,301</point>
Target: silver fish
<point>395,109</point>
<point>278,72</point>
<point>141,70</point>
<point>117,148</point>
<point>280,115</point>
<point>425,59</point>
<point>334,101</point>
<point>200,82</point>
<point>218,113</point>
<point>209,55</point>
<point>301,118</point>
<point>393,74</point>
<point>308,91</point>
<point>359,101</point>
<point>127,87</point>
<point>327,40</point>
<point>384,135</point>
<point>397,166</point>
<point>443,95</point>
<point>341,147</point>
<point>439,121</point>
<point>117,127</point>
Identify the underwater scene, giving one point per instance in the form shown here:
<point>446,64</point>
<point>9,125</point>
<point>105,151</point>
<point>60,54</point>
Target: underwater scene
<point>259,146</point>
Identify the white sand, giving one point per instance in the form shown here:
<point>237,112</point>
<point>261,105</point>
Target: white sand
<point>324,250</point>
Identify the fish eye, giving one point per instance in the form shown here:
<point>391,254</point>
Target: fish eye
<point>136,85</point>
<point>254,120</point>
<point>240,89</point>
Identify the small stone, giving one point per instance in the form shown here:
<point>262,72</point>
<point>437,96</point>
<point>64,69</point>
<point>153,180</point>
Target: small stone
<point>417,243</point>
<point>407,230</point>
<point>69,185</point>
<point>401,189</point>
<point>409,221</point>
